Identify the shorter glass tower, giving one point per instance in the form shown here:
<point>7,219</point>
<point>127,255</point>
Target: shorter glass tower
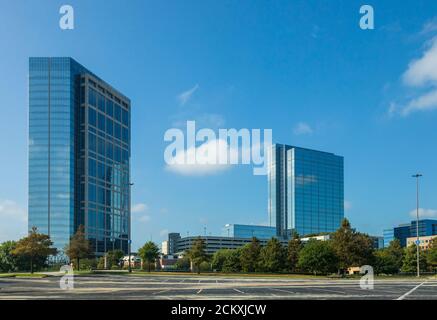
<point>306,191</point>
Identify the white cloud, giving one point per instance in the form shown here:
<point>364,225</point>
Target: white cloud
<point>430,26</point>
<point>424,213</point>
<point>185,96</point>
<point>208,153</point>
<point>420,76</point>
<point>347,205</point>
<point>13,219</point>
<point>139,207</point>
<point>423,71</point>
<point>302,128</point>
<point>427,101</point>
<point>163,232</point>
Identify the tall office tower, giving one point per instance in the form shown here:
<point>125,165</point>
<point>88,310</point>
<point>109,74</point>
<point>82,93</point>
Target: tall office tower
<point>305,190</point>
<point>79,155</point>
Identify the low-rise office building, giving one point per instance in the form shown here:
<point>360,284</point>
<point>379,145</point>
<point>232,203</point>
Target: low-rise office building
<point>427,227</point>
<point>424,242</point>
<point>215,243</point>
<point>167,262</point>
<point>249,231</point>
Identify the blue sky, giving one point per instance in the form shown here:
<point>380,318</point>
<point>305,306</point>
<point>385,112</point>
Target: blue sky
<point>301,68</point>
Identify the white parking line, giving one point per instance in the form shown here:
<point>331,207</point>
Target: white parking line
<point>409,292</point>
<point>281,290</point>
<point>238,291</point>
<point>161,291</point>
<point>199,291</point>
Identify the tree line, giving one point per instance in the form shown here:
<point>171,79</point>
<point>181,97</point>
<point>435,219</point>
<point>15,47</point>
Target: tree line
<point>32,253</point>
<point>346,248</point>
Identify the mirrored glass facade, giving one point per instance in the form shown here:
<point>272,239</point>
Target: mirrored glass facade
<point>249,231</point>
<point>79,151</point>
<point>306,190</point>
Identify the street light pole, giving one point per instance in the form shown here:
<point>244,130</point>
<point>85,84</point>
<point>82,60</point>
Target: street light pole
<point>129,268</point>
<point>417,176</point>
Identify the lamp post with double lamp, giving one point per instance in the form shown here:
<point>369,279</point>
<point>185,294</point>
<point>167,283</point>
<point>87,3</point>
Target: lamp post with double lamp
<point>417,176</point>
<point>129,268</point>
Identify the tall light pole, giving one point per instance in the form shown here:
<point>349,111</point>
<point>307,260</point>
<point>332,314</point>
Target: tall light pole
<point>130,240</point>
<point>417,176</point>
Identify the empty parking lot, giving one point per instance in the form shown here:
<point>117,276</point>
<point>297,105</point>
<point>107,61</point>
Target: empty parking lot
<point>104,286</point>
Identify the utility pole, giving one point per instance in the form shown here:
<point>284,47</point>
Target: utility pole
<point>130,236</point>
<point>417,176</point>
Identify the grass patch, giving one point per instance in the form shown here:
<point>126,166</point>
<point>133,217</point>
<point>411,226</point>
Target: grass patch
<point>232,275</point>
<point>30,275</point>
<point>22,275</point>
<point>83,272</point>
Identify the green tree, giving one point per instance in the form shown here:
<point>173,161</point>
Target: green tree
<point>318,257</point>
<point>389,260</point>
<point>232,261</point>
<point>273,256</point>
<point>409,264</point>
<point>112,259</point>
<point>431,255</point>
<point>205,266</point>
<point>8,262</point>
<point>293,250</point>
<point>79,247</point>
<point>219,258</point>
<point>250,254</point>
<point>197,253</point>
<point>183,263</point>
<point>149,253</point>
<point>36,247</point>
<point>352,248</point>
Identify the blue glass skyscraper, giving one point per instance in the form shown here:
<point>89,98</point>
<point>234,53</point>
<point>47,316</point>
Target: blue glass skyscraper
<point>427,227</point>
<point>306,190</point>
<point>79,155</point>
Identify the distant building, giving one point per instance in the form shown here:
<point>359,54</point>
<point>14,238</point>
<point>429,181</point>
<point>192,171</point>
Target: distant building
<point>378,242</point>
<point>424,241</point>
<point>323,237</point>
<point>427,227</point>
<point>249,231</point>
<point>389,236</point>
<point>167,262</point>
<point>215,243</point>
<point>305,190</point>
<point>165,248</point>
<point>173,238</point>
<point>402,232</point>
<point>135,261</point>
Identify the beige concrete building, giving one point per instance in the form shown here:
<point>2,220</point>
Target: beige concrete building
<point>424,241</point>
